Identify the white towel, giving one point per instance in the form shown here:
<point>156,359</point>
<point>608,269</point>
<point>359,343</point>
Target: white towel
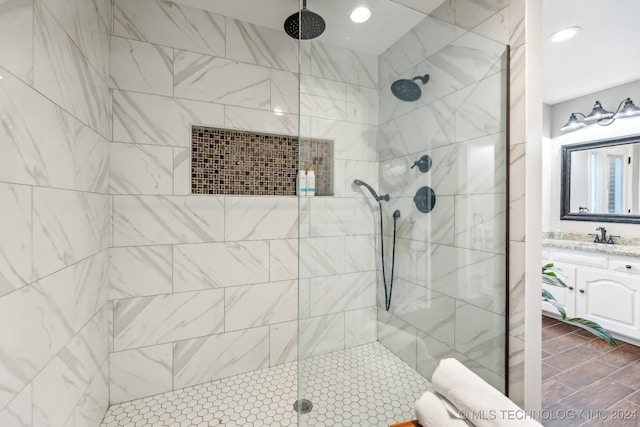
<point>484,405</point>
<point>435,411</point>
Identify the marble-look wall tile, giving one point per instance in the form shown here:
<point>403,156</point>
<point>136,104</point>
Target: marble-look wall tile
<point>360,326</point>
<point>139,322</point>
<point>149,220</point>
<point>260,120</point>
<point>283,343</point>
<point>321,335</point>
<point>422,41</point>
<point>181,171</point>
<point>321,256</point>
<point>496,27</point>
<point>16,38</point>
<point>95,401</point>
<point>15,237</point>
<point>352,141</point>
<point>470,13</point>
<point>343,65</point>
<point>220,80</point>
<point>517,370</point>
<point>430,353</point>
<point>166,23</point>
<point>84,23</point>
<point>346,171</point>
<point>362,104</point>
<point>141,169</point>
<point>517,301</point>
<point>323,98</point>
<point>140,372</point>
<point>482,165</point>
<point>138,271</point>
<point>261,46</point>
<point>360,253</point>
<point>234,353</point>
<point>160,120</point>
<point>284,91</point>
<point>58,388</point>
<point>480,222</point>
<point>480,335</point>
<point>19,412</point>
<point>481,109</point>
<point>517,191</point>
<point>27,120</point>
<point>219,265</point>
<point>141,67</point>
<point>67,227</point>
<point>258,218</point>
<point>91,277</point>
<point>334,294</point>
<point>250,306</point>
<point>339,217</point>
<point>427,127</point>
<point>43,312</point>
<point>398,336</point>
<point>472,276</point>
<point>283,259</point>
<point>91,161</point>
<point>62,73</point>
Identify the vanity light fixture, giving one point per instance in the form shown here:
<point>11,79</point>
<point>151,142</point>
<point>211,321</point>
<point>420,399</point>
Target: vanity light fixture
<point>360,14</point>
<point>564,34</point>
<point>601,116</point>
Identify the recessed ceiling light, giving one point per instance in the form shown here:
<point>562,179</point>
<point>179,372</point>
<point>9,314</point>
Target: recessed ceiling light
<point>360,14</point>
<point>564,34</point>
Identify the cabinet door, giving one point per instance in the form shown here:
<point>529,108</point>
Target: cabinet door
<point>611,299</point>
<point>565,296</point>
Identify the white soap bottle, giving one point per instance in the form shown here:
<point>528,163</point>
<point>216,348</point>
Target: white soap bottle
<point>302,181</point>
<point>311,182</point>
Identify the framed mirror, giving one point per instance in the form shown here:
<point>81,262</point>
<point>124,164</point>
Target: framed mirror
<point>601,181</point>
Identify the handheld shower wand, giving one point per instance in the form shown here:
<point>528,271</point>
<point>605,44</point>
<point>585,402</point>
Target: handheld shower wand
<point>384,197</point>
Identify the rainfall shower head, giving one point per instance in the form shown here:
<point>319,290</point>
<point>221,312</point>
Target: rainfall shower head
<point>371,190</point>
<point>305,24</point>
<point>408,90</point>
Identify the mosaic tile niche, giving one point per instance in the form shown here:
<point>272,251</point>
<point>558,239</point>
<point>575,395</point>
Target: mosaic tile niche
<point>235,162</point>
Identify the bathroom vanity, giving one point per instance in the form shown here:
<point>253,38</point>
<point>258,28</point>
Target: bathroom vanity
<point>603,283</point>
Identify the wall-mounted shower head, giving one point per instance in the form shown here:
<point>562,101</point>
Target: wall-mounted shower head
<point>408,90</point>
<point>371,190</point>
<point>304,24</point>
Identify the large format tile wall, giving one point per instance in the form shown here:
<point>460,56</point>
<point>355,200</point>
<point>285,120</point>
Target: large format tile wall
<point>55,212</point>
<point>203,287</point>
<point>449,293</point>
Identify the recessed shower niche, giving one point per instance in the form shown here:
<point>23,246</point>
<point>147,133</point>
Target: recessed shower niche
<point>236,162</point>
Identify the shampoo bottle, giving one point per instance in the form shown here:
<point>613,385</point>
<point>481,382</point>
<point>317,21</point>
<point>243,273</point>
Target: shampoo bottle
<point>302,181</point>
<point>311,182</point>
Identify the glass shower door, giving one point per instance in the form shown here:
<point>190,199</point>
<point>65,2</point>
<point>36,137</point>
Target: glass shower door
<point>418,115</point>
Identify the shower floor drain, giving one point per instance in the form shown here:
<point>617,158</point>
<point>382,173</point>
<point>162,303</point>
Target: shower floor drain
<point>302,406</point>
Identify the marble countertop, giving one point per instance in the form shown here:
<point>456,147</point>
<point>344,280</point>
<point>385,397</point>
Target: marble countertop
<point>581,245</point>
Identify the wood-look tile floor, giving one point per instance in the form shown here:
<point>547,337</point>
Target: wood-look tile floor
<point>585,381</point>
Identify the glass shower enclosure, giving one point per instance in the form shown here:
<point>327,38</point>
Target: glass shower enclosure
<point>402,256</point>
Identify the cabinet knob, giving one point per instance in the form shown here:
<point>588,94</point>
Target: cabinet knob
<point>582,291</point>
<point>570,288</point>
<point>627,266</point>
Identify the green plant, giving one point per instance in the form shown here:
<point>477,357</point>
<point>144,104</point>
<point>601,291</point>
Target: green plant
<point>549,277</point>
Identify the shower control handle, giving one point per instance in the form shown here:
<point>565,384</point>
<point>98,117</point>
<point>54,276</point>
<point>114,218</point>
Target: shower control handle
<point>582,291</point>
<point>570,288</point>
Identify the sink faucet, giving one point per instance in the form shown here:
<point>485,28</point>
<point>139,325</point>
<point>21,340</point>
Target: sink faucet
<point>602,238</point>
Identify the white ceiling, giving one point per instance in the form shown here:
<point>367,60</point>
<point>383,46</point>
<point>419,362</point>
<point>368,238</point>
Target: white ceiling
<point>603,55</point>
<point>389,21</point>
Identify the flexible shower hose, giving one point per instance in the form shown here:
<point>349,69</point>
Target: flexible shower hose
<point>387,293</point>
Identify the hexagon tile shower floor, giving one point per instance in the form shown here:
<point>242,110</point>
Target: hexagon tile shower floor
<point>361,386</point>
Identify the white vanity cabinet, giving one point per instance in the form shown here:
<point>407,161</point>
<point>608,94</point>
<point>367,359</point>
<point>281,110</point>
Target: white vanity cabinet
<point>604,288</point>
